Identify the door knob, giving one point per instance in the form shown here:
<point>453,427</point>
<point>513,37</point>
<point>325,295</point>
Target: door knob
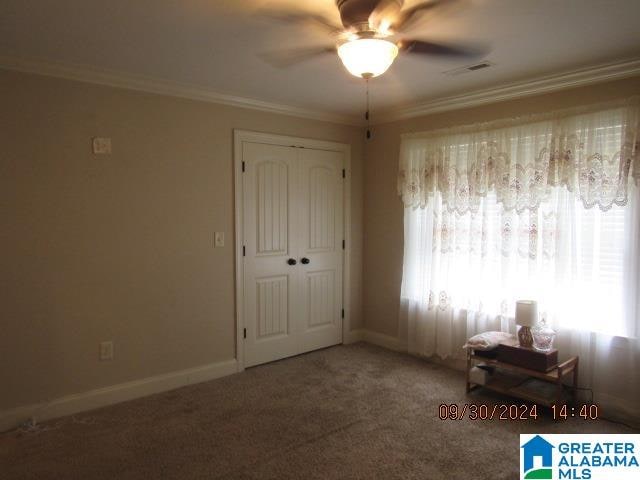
<point>304,260</point>
<point>292,261</point>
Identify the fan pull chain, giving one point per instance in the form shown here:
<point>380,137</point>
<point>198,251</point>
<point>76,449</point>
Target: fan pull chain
<point>366,115</point>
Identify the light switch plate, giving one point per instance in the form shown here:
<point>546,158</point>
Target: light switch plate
<point>101,146</point>
<point>219,239</point>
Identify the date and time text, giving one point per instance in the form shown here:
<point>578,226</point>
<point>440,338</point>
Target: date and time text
<point>513,412</point>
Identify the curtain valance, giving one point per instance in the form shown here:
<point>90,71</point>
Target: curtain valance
<point>593,154</point>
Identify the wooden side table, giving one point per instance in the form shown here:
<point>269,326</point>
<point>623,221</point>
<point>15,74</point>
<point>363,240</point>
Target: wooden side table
<point>524,383</point>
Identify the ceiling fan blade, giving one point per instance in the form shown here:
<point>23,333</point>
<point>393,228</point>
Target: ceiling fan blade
<point>423,47</point>
<point>384,14</point>
<point>302,18</point>
<point>287,58</point>
<point>406,18</point>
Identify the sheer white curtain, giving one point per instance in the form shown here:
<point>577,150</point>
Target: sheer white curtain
<point>546,210</point>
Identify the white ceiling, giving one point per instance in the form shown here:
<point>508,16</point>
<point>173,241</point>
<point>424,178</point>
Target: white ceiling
<point>216,45</point>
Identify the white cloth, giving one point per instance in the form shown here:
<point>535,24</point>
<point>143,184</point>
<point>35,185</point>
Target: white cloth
<point>592,153</point>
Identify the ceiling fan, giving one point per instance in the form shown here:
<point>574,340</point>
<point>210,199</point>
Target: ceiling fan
<point>368,42</point>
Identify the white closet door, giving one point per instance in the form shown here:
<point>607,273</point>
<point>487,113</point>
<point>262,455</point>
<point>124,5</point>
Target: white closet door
<point>320,237</point>
<point>293,231</point>
<point>271,304</point>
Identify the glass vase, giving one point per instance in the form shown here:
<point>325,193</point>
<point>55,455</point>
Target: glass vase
<point>543,337</point>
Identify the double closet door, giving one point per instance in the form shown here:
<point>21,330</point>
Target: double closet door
<point>293,250</point>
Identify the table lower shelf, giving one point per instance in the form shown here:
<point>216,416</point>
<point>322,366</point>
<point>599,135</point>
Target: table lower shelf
<point>526,388</point>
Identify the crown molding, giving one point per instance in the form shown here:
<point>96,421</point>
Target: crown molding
<point>84,73</point>
<point>575,78</point>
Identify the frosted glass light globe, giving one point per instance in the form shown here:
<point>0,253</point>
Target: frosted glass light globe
<point>367,57</point>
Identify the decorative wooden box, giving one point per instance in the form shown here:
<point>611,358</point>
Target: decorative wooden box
<point>528,357</point>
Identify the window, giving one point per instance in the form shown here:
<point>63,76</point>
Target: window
<point>571,261</point>
<point>546,211</point>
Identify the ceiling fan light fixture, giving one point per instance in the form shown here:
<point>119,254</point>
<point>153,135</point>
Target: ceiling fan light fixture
<point>367,57</point>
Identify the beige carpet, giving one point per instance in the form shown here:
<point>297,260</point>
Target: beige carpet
<point>354,411</point>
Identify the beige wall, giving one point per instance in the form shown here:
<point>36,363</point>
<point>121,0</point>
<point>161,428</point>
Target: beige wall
<point>383,213</point>
<point>119,247</point>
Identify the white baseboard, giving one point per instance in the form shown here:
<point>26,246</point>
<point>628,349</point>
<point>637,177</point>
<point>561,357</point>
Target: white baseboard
<point>101,397</point>
<point>382,340</point>
<point>354,336</point>
<point>375,338</point>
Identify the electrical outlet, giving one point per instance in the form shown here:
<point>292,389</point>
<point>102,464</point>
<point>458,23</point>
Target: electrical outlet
<point>106,351</point>
<point>219,239</point>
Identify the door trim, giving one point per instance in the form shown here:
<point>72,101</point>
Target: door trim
<point>240,136</point>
